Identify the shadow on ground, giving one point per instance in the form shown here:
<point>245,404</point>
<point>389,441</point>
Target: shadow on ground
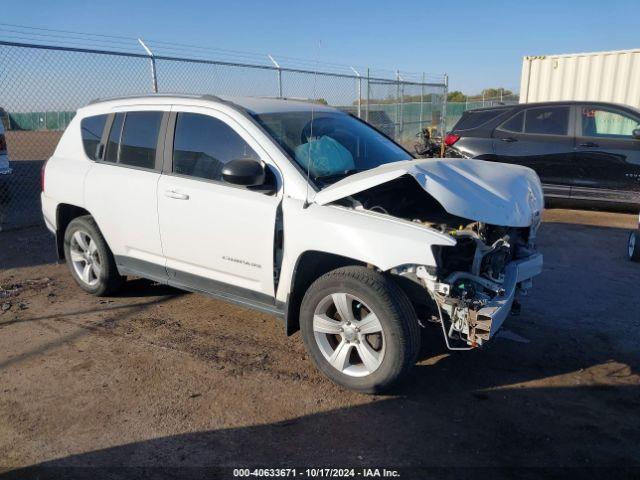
<point>463,432</point>
<point>568,398</point>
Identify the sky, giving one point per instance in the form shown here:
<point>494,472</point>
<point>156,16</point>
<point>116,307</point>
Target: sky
<point>478,44</point>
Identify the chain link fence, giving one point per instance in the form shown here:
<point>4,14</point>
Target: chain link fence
<point>41,86</point>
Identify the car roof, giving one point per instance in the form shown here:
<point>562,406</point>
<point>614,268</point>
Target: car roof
<point>551,104</point>
<point>255,105</point>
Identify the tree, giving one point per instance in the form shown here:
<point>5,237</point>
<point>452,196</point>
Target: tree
<point>495,92</point>
<point>456,96</point>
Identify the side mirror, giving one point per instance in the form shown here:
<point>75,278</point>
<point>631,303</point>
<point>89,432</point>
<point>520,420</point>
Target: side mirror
<point>245,172</point>
<point>251,174</point>
<point>636,134</point>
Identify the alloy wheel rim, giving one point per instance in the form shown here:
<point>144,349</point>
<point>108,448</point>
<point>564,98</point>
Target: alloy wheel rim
<point>349,334</point>
<point>85,258</point>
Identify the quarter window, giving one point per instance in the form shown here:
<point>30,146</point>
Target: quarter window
<point>91,129</point>
<point>547,121</point>
<point>598,122</point>
<point>514,124</point>
<point>476,118</point>
<point>203,144</point>
<point>113,144</point>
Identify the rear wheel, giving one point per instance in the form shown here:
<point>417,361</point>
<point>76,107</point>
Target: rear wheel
<point>89,258</point>
<point>633,249</point>
<point>359,328</point>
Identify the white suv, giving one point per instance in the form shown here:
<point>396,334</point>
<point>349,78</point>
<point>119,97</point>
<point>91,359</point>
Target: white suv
<point>298,210</point>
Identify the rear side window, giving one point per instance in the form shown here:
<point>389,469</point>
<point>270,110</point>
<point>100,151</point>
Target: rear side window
<point>475,118</point>
<point>203,144</point>
<point>133,139</point>
<point>139,139</point>
<point>91,129</point>
<point>547,121</point>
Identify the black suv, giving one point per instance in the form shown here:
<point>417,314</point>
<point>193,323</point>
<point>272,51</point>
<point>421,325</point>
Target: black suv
<point>583,151</point>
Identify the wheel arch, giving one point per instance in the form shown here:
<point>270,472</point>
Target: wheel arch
<point>310,266</point>
<point>65,214</point>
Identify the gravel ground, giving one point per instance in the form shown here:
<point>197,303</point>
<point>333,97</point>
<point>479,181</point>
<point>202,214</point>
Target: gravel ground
<point>156,377</point>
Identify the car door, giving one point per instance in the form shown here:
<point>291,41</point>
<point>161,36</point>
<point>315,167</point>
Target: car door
<point>120,189</point>
<point>216,237</point>
<point>540,138</point>
<point>607,154</point>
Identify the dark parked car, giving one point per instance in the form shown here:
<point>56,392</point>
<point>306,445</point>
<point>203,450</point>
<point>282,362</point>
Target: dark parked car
<point>587,152</point>
<point>633,248</point>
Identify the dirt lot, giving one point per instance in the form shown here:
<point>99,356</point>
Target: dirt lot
<point>32,145</point>
<point>159,377</point>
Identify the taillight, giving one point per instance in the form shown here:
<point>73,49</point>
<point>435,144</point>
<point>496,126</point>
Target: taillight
<point>3,143</point>
<point>44,166</point>
<point>450,139</point>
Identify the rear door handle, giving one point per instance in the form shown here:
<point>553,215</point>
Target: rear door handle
<point>589,145</point>
<point>508,139</point>
<point>176,195</point>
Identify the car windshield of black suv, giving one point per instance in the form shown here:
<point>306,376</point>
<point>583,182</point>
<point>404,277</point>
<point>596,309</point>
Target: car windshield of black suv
<point>332,146</point>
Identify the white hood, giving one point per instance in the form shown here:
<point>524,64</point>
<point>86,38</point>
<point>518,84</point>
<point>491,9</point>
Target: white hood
<point>495,193</point>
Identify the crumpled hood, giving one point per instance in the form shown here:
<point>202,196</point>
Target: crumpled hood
<point>495,193</point>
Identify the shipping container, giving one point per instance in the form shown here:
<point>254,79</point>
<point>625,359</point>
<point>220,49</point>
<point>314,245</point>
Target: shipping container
<point>598,76</point>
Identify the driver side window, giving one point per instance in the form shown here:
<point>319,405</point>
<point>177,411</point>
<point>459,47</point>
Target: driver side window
<point>599,122</point>
<point>202,145</point>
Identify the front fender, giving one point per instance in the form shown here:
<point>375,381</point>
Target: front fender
<point>363,236</point>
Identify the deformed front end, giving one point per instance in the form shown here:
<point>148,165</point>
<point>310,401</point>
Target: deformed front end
<point>477,282</point>
<point>491,211</point>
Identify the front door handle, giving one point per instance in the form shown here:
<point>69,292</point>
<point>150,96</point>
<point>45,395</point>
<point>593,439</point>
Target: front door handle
<point>589,145</point>
<point>508,139</point>
<point>176,195</point>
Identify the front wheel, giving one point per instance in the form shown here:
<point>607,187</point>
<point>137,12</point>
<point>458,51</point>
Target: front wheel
<point>360,329</point>
<point>633,248</point>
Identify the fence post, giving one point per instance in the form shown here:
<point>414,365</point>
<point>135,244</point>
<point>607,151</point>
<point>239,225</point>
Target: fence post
<point>359,91</point>
<point>402,85</point>
<point>397,105</point>
<point>366,116</point>
<point>279,70</point>
<point>443,119</point>
<point>422,102</point>
<point>154,76</point>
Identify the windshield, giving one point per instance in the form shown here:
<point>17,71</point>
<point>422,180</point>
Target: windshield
<point>334,146</point>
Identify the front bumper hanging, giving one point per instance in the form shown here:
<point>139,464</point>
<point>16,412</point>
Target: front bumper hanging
<point>477,326</point>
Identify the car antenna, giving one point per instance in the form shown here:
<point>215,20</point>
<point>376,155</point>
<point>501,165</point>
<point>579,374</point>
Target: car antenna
<point>313,101</point>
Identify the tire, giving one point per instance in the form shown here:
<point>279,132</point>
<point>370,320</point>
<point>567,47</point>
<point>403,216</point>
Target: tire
<point>390,345</point>
<point>633,247</point>
<point>89,258</point>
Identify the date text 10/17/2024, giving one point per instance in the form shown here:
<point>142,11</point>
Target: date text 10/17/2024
<point>316,473</point>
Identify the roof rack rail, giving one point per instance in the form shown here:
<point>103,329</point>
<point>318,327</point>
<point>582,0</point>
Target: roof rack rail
<point>155,95</point>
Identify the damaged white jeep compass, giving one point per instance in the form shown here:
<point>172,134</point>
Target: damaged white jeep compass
<point>301,211</point>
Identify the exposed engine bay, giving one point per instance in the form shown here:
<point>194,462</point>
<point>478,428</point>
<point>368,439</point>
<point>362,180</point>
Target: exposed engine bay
<point>475,283</point>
